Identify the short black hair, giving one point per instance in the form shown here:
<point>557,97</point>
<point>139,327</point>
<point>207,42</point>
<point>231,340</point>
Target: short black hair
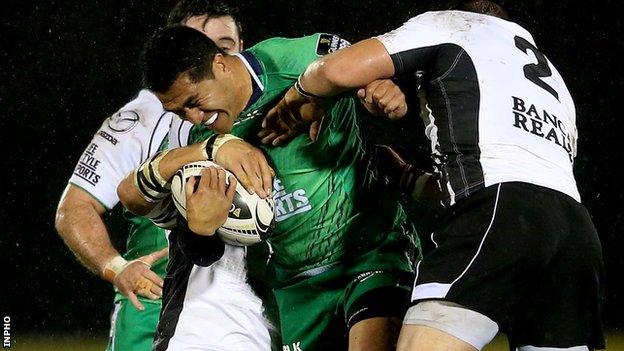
<point>186,9</point>
<point>175,50</point>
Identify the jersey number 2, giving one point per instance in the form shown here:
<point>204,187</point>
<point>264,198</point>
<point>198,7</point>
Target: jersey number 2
<point>536,71</point>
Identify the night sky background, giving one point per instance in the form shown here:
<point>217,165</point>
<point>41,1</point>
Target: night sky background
<point>65,66</point>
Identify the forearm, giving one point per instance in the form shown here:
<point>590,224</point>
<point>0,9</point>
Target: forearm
<point>129,194</point>
<point>349,68</point>
<point>84,232</point>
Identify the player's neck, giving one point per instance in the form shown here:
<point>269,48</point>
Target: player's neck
<point>243,82</point>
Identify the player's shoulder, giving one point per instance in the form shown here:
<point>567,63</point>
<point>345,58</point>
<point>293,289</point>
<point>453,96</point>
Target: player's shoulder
<point>144,110</point>
<point>452,18</point>
<point>142,121</point>
<point>461,21</point>
<point>317,43</point>
<point>461,27</point>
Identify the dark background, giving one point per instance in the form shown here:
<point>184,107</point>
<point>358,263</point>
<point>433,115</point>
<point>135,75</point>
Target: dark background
<point>65,66</point>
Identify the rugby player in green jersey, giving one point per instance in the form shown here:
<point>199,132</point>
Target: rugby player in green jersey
<point>340,249</point>
<point>128,137</point>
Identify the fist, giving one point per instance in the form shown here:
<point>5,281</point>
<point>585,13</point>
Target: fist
<point>383,98</point>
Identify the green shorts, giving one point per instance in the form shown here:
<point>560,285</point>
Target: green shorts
<point>317,312</point>
<point>132,329</point>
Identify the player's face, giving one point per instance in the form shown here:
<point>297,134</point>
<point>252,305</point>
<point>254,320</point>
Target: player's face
<point>222,30</point>
<point>206,102</point>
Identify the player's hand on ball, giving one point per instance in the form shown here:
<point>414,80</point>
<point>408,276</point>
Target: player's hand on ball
<point>384,98</point>
<point>293,115</point>
<point>208,203</point>
<point>249,165</point>
<point>137,278</point>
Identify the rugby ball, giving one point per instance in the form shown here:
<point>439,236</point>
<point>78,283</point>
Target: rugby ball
<point>250,218</point>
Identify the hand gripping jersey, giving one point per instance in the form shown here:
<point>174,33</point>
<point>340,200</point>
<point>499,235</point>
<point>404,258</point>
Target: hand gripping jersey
<point>498,109</point>
<point>127,138</point>
<point>327,210</point>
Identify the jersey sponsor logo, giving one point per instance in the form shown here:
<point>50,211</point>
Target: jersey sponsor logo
<point>288,204</point>
<point>123,121</point>
<point>541,123</point>
<point>328,43</point>
<point>108,137</point>
<point>295,346</point>
<point>88,165</point>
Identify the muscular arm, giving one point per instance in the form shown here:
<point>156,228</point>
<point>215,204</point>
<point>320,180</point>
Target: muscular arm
<point>247,162</point>
<point>79,223</point>
<point>349,68</point>
<point>128,193</point>
<point>354,67</point>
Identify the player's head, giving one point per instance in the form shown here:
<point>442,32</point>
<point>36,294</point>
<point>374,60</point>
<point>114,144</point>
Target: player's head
<point>486,7</point>
<point>217,19</point>
<point>193,77</point>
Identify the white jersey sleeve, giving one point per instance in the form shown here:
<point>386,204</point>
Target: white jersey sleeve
<point>125,139</point>
<point>498,110</point>
<point>180,132</point>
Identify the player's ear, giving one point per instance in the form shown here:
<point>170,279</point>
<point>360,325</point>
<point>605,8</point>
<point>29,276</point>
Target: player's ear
<point>218,64</point>
<point>241,45</point>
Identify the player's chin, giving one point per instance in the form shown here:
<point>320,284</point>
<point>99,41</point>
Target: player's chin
<point>222,125</point>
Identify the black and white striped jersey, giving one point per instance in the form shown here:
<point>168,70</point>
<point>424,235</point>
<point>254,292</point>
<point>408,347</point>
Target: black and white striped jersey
<point>179,132</point>
<point>499,111</point>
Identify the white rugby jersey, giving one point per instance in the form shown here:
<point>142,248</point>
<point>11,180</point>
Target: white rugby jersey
<point>179,132</point>
<point>125,139</point>
<point>499,111</point>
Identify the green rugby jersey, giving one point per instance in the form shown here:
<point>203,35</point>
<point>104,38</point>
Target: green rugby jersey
<point>328,209</point>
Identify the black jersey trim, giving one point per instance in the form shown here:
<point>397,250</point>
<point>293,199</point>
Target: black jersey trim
<point>454,99</point>
<point>154,131</point>
<point>174,293</point>
<point>185,250</point>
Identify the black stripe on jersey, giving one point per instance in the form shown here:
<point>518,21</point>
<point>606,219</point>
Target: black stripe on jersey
<point>174,290</point>
<point>453,95</point>
<point>185,250</point>
<point>88,166</point>
<point>149,147</point>
<point>180,135</point>
<point>85,178</point>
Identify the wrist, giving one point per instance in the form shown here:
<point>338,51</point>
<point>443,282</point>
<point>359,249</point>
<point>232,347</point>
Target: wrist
<point>152,186</point>
<point>202,229</point>
<point>214,143</point>
<point>302,91</point>
<point>113,267</point>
